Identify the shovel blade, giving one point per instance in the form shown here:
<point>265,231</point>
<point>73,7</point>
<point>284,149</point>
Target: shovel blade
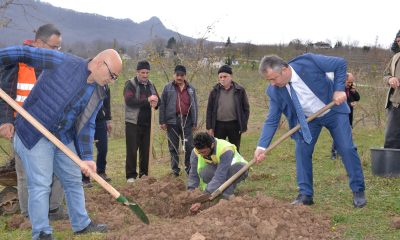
<point>135,209</point>
<point>139,212</point>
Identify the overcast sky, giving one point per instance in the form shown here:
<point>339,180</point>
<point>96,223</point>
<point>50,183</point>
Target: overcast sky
<point>262,21</point>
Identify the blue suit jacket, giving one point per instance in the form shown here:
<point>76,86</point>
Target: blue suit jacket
<point>312,69</point>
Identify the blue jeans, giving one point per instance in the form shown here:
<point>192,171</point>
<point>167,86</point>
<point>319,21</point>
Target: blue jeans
<point>40,162</point>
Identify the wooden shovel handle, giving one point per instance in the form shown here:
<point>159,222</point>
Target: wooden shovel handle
<point>152,116</point>
<point>58,143</point>
<point>270,147</point>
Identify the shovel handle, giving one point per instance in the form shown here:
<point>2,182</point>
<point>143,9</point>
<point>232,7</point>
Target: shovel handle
<point>57,142</point>
<point>270,147</point>
<point>152,117</point>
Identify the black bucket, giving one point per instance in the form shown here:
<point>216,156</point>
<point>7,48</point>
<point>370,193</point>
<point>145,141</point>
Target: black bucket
<point>385,162</point>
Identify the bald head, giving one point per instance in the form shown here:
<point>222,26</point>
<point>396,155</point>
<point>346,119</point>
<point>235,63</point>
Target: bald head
<point>349,79</point>
<point>105,67</point>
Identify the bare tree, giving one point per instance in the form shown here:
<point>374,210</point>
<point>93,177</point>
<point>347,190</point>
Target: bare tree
<point>4,4</point>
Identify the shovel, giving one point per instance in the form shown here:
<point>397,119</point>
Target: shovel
<point>133,206</point>
<point>208,196</point>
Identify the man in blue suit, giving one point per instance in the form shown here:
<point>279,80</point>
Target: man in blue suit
<point>300,88</point>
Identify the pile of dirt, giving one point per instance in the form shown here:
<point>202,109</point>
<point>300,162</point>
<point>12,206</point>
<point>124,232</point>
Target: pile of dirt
<point>167,203</point>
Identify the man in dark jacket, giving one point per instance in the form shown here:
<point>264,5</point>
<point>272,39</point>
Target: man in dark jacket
<point>228,108</point>
<point>178,115</point>
<point>140,96</point>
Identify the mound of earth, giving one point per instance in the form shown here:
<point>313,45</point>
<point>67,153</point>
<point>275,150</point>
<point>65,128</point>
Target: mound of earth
<point>167,203</point>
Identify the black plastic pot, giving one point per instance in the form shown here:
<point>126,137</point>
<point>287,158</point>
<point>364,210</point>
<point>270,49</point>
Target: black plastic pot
<point>385,162</point>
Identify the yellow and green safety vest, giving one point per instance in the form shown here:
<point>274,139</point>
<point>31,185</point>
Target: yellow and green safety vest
<point>222,146</point>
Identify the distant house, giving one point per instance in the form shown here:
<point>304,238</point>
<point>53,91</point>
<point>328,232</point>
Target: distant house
<point>204,62</point>
<point>218,64</point>
<point>125,56</point>
<point>218,47</point>
<point>322,45</point>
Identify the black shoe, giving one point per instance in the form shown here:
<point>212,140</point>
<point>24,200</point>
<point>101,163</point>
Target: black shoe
<point>175,174</point>
<point>45,236</point>
<point>105,177</point>
<point>58,214</point>
<point>87,183</point>
<point>92,227</point>
<point>303,199</point>
<point>359,200</point>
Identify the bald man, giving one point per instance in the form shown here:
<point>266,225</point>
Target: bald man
<point>66,99</point>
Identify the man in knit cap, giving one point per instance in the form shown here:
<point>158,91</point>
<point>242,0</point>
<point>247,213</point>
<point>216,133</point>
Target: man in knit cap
<point>228,108</point>
<point>140,96</point>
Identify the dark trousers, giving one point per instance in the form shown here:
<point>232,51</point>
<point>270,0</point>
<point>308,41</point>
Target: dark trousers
<point>392,132</point>
<point>230,130</point>
<point>137,138</point>
<point>182,130</point>
<point>102,147</point>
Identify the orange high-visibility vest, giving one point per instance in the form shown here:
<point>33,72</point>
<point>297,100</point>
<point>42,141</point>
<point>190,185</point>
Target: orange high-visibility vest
<point>26,81</point>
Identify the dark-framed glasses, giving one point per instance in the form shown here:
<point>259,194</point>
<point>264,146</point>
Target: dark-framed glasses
<point>113,76</point>
<point>53,47</point>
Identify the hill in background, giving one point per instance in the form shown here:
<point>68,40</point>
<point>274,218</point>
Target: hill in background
<point>27,15</point>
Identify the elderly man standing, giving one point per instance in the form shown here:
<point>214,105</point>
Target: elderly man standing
<point>66,99</point>
<point>228,108</point>
<point>178,115</point>
<point>140,96</point>
<point>299,89</point>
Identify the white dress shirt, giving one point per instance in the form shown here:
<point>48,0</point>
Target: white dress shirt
<point>310,103</point>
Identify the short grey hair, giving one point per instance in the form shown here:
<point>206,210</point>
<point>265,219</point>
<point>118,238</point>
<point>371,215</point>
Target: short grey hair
<point>273,62</point>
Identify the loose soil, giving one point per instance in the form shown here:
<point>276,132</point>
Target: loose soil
<point>166,203</point>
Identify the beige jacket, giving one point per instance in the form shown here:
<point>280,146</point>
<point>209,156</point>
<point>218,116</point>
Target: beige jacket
<point>393,95</point>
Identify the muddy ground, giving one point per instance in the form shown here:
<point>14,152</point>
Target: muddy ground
<point>166,202</point>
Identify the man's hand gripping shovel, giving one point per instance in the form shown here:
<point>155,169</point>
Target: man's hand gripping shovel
<point>133,206</point>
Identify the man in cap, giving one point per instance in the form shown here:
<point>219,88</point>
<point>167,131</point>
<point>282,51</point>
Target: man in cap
<point>228,108</point>
<point>140,96</point>
<point>178,116</point>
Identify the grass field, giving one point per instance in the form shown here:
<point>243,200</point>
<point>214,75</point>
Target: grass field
<point>275,177</point>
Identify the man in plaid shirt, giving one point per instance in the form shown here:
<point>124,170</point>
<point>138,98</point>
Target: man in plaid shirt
<point>66,99</point>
